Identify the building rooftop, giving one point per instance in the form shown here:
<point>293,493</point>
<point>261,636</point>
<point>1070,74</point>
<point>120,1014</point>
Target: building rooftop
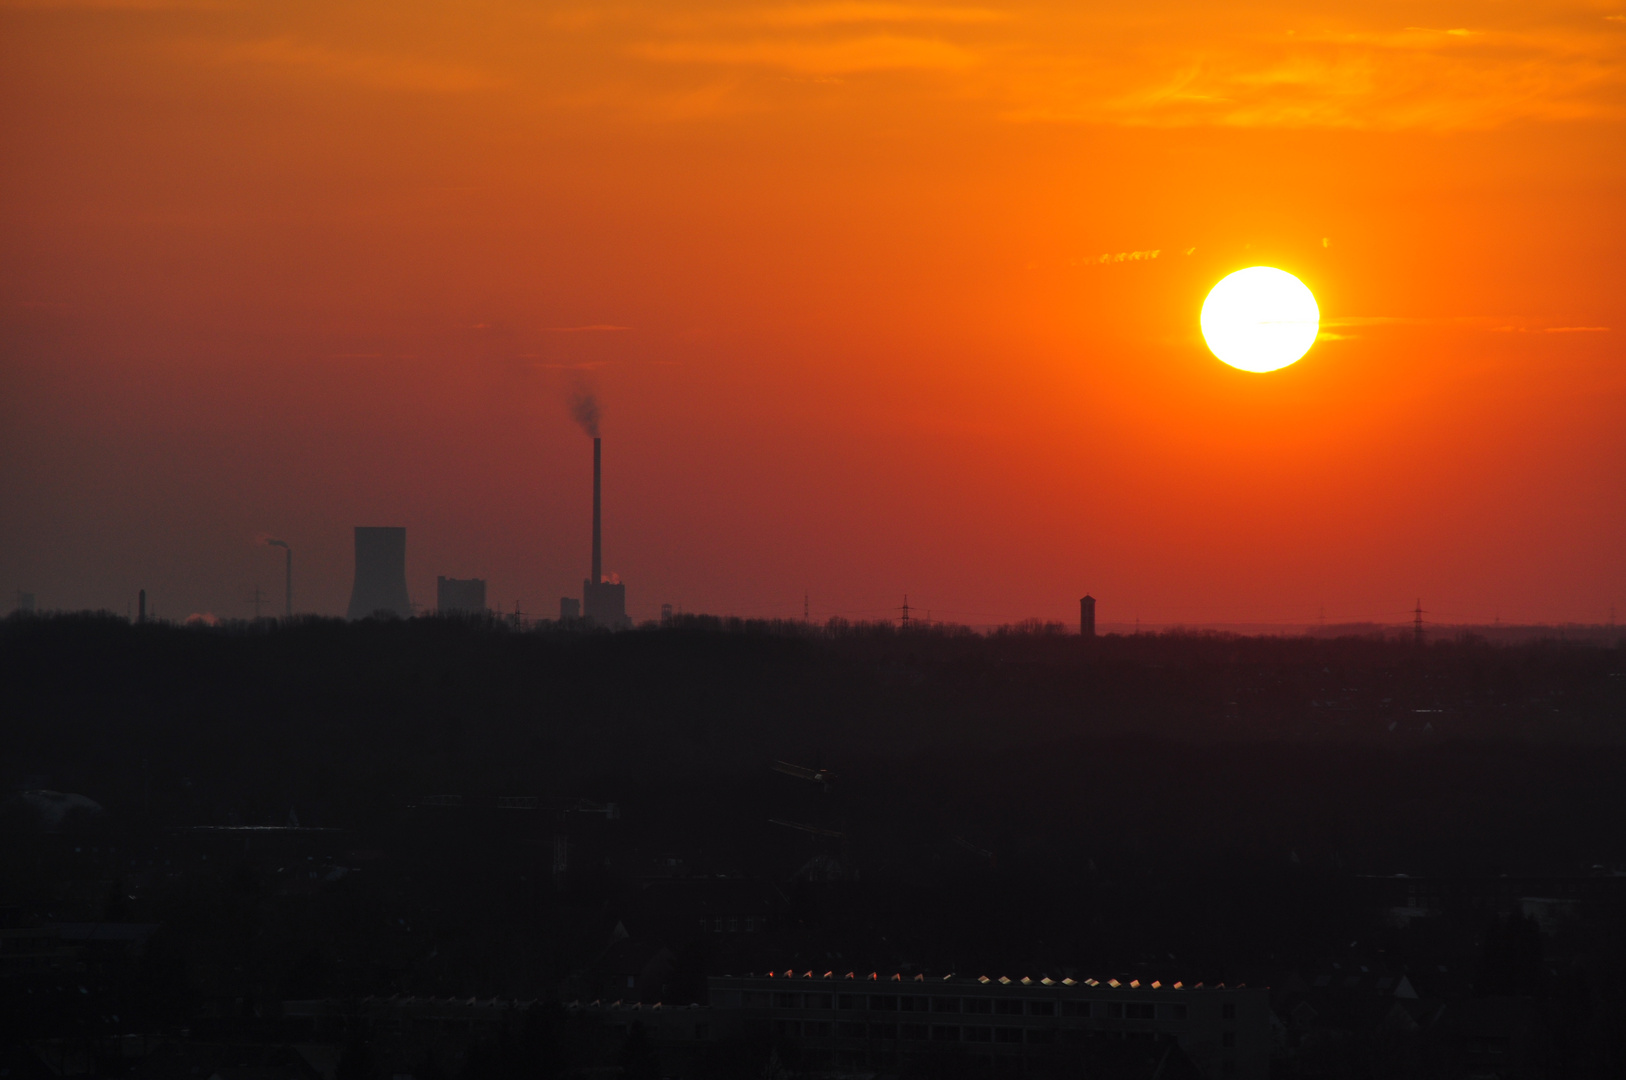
<point>984,980</point>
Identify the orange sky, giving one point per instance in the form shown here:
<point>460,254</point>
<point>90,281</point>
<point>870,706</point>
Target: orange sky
<point>285,268</point>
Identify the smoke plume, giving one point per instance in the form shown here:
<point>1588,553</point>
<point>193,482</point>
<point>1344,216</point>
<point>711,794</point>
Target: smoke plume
<point>584,410</point>
<point>274,542</point>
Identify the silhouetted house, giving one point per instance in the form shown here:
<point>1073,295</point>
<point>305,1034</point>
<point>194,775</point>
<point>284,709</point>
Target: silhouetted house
<point>633,971</point>
<point>26,947</point>
<point>458,596</point>
<point>197,1060</point>
<point>680,1033</point>
<point>1491,1037</point>
<point>107,940</point>
<point>1551,899</point>
<point>680,909</point>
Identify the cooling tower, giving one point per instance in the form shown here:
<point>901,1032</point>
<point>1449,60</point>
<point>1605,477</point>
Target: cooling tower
<point>380,573</point>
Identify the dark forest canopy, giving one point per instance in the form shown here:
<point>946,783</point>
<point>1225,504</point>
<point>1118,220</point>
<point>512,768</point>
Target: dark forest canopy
<point>1201,740</point>
<point>1020,801</point>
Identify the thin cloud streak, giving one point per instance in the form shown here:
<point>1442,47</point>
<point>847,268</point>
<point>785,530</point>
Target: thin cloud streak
<point>849,13</point>
<point>377,70</point>
<point>881,52</point>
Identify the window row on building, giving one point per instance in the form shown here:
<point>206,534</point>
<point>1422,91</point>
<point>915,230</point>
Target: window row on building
<point>992,1006</point>
<point>941,1033</point>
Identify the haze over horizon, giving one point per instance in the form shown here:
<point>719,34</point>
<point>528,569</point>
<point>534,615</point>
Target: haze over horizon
<point>878,299</point>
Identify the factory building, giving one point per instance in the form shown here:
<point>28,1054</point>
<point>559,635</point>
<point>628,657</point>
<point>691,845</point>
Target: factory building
<point>856,1023</point>
<point>458,596</point>
<point>380,584</point>
<point>856,1020</point>
<point>605,604</point>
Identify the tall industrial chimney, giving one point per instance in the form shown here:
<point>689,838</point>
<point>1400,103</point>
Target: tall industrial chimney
<point>604,603</point>
<point>380,573</point>
<point>598,533</point>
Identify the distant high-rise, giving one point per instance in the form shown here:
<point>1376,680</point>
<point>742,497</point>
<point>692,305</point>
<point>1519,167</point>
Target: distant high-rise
<point>380,585</point>
<point>1086,616</point>
<point>460,596</point>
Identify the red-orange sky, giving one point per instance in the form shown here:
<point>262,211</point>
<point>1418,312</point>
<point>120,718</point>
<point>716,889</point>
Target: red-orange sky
<point>835,272</point>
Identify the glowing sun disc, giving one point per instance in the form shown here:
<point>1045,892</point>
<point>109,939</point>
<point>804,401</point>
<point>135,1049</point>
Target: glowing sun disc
<point>1260,319</point>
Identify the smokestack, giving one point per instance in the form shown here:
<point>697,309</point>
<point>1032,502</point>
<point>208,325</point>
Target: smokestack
<point>603,603</point>
<point>141,607</point>
<point>598,535</point>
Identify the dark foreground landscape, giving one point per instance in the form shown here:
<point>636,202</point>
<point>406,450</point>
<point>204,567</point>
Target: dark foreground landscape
<point>446,849</point>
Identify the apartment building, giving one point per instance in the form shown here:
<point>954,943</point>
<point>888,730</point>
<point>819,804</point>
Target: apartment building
<point>853,1020</point>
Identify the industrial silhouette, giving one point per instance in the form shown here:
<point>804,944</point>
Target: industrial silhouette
<point>380,584</point>
<point>456,596</point>
<point>1086,616</point>
<point>604,603</point>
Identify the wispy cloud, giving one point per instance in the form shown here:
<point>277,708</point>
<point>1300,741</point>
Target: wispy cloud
<point>1466,322</point>
<point>879,52</point>
<point>375,69</point>
<point>1157,63</point>
<point>118,5</point>
<point>1348,77</point>
<point>837,14</point>
<point>1108,257</point>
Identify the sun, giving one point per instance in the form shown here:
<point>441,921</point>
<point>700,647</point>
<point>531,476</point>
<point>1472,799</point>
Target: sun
<point>1260,319</point>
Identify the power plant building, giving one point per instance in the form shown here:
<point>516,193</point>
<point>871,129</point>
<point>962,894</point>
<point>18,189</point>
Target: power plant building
<point>1086,616</point>
<point>458,596</point>
<point>380,585</point>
